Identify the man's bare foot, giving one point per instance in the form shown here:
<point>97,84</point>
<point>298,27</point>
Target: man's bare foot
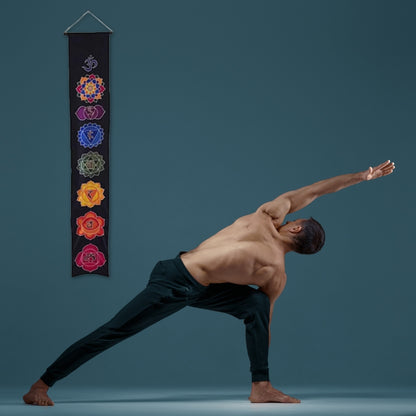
<point>263,392</point>
<point>37,395</point>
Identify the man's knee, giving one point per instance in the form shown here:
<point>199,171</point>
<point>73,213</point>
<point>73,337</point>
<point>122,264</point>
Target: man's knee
<point>259,305</point>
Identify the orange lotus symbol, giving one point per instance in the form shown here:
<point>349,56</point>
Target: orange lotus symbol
<point>90,225</point>
<point>90,194</point>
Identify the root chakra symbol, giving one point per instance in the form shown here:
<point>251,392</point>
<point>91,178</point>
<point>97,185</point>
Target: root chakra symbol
<point>90,258</point>
<point>90,194</point>
<point>90,164</point>
<point>90,88</point>
<point>90,135</point>
<point>90,225</point>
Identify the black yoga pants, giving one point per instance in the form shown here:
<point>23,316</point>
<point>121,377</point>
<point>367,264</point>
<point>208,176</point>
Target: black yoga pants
<point>170,288</point>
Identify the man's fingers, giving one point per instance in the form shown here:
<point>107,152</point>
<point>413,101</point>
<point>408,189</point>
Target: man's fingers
<point>386,168</point>
<point>382,165</point>
<point>385,165</point>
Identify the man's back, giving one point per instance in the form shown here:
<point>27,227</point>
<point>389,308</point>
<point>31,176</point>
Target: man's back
<point>246,252</point>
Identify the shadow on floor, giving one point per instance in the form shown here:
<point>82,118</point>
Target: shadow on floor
<point>161,399</point>
<point>358,395</point>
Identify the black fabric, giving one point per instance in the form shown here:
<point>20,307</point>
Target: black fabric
<point>89,55</point>
<point>170,288</point>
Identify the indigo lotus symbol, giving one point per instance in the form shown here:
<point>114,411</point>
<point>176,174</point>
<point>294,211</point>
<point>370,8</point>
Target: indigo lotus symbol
<point>90,112</point>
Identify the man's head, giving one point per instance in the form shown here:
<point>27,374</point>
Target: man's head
<point>307,235</point>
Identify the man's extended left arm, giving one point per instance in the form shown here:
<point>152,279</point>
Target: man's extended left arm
<point>295,200</point>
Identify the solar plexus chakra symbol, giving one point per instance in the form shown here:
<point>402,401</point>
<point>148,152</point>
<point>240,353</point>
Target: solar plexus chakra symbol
<point>90,164</point>
<point>90,194</point>
<point>90,88</point>
<point>90,258</point>
<point>90,135</point>
<point>90,225</point>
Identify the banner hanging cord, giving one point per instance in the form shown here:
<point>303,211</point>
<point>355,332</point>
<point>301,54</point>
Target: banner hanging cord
<point>81,17</point>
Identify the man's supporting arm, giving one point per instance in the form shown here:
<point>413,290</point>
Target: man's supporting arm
<point>273,289</point>
<point>293,201</point>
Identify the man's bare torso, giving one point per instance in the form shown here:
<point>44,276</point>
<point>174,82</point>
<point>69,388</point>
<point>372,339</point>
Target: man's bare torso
<point>247,252</point>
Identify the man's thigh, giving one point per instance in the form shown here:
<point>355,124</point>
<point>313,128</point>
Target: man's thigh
<point>230,298</point>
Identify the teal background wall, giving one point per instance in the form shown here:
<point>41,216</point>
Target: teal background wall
<point>217,107</point>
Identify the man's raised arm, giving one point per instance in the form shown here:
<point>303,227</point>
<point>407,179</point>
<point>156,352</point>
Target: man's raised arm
<point>293,201</point>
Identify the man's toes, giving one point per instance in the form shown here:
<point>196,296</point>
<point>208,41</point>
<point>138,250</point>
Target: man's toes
<point>293,400</point>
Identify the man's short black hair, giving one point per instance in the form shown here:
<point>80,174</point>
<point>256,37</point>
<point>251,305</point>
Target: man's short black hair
<point>310,239</point>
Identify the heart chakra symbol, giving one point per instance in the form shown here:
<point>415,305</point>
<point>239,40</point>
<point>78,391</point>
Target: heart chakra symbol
<point>90,164</point>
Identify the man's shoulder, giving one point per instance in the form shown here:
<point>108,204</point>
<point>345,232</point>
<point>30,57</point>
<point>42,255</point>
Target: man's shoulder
<point>275,285</point>
<point>254,217</point>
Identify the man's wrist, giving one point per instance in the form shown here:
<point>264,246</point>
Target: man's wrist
<point>362,176</point>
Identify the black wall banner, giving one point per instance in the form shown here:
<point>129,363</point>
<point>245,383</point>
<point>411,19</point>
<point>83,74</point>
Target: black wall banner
<point>89,97</point>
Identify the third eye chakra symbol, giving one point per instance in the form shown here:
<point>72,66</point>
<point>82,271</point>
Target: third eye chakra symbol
<point>90,64</point>
<point>90,135</point>
<point>91,112</point>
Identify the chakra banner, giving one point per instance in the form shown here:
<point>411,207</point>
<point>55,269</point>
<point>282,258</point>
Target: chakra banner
<point>89,97</point>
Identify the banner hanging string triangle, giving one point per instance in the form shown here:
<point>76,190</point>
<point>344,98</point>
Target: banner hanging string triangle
<point>82,16</point>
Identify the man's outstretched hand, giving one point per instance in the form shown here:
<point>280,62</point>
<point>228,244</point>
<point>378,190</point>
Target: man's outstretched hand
<point>381,170</point>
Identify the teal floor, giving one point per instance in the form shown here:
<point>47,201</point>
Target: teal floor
<point>225,401</point>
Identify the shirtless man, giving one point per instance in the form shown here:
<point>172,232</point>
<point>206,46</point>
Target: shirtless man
<point>216,275</point>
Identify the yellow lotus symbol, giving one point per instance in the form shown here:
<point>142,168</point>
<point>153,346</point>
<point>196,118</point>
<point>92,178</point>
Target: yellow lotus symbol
<point>90,194</point>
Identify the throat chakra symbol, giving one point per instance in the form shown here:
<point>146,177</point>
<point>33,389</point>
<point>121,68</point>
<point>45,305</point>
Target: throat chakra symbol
<point>90,135</point>
<point>90,164</point>
<point>90,88</point>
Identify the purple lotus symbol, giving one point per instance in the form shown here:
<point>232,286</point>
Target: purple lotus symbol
<point>91,112</point>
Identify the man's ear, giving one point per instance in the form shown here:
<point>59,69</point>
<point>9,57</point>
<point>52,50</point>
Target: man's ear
<point>295,229</point>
